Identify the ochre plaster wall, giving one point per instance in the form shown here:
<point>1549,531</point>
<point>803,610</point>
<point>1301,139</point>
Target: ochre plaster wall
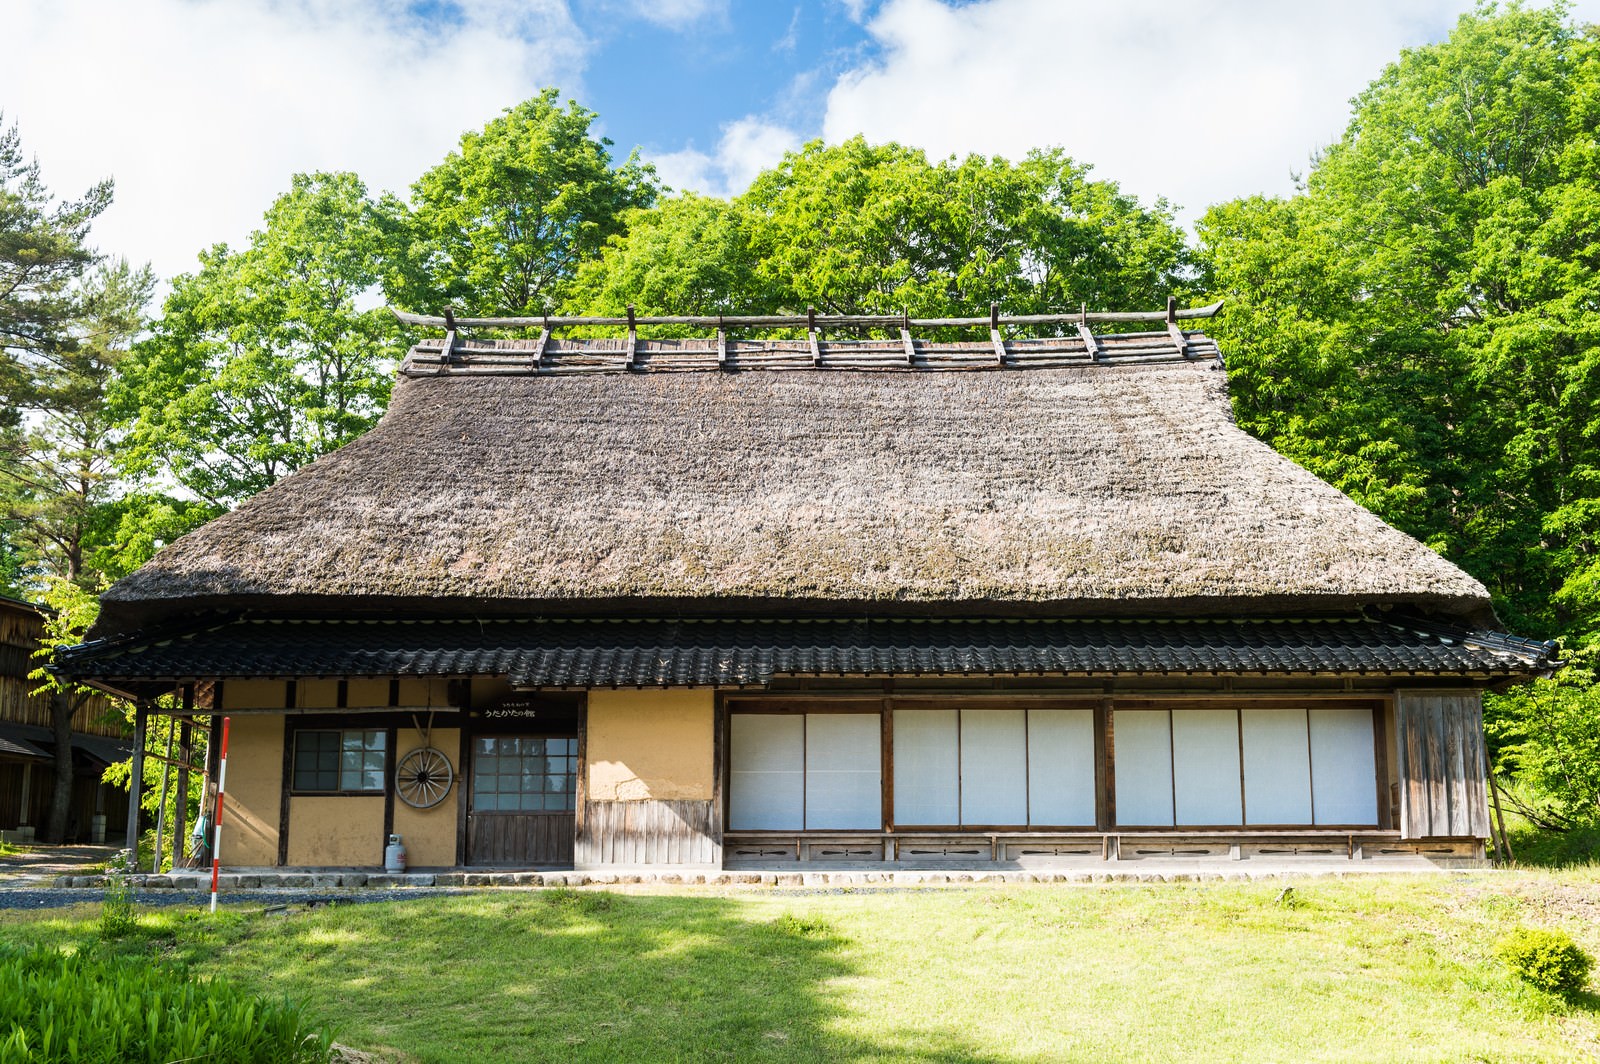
<point>430,834</point>
<point>252,694</point>
<point>417,692</point>
<point>336,830</point>
<point>646,745</point>
<point>255,787</point>
<point>364,694</point>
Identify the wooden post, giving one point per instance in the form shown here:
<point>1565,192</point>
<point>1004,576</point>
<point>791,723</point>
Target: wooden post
<point>185,753</point>
<point>633,338</point>
<point>141,717</point>
<point>185,756</point>
<point>161,802</point>
<point>25,819</point>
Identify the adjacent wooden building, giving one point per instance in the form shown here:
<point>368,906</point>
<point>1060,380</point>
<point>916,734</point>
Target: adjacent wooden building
<point>28,743</point>
<point>750,602</point>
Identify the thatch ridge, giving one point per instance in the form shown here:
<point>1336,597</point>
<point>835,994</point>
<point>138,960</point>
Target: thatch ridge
<point>1056,492</point>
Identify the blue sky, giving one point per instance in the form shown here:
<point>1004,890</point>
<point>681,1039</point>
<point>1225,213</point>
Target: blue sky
<point>201,110</point>
<point>666,89</point>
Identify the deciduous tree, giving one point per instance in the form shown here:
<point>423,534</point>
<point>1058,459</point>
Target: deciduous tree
<point>501,225</point>
<point>263,360</point>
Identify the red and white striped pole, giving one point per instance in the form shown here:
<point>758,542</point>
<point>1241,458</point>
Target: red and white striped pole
<point>216,844</point>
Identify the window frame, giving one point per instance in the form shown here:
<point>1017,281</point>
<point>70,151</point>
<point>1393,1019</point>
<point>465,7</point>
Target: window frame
<point>382,751</point>
<point>570,756</point>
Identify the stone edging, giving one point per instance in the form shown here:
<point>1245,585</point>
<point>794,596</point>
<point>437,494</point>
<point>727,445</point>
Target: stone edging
<point>384,881</point>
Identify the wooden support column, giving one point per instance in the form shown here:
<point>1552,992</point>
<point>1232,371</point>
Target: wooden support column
<point>180,836</point>
<point>141,719</point>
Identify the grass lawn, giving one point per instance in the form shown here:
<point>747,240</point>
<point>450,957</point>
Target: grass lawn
<point>1391,969</point>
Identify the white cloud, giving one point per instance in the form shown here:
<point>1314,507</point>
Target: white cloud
<point>202,109</point>
<point>747,147</point>
<point>677,14</point>
<point>1197,102</point>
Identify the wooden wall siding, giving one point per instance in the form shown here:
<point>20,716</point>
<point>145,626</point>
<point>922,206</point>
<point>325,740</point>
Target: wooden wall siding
<point>19,638</point>
<point>519,839</point>
<point>1442,787</point>
<point>656,832</point>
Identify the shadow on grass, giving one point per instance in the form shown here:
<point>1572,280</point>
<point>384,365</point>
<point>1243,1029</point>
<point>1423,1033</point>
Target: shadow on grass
<point>563,975</point>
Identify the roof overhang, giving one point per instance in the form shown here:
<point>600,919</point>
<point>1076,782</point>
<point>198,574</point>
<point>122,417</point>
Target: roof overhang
<point>752,652</point>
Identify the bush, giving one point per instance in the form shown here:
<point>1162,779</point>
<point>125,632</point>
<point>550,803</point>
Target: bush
<point>83,1007</point>
<point>116,906</point>
<point>1549,960</point>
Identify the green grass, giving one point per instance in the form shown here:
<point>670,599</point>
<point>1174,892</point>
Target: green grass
<point>1372,968</point>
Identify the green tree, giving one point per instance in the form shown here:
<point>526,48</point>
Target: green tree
<point>1420,325</point>
<point>687,254</point>
<point>262,360</point>
<point>43,252</point>
<point>501,226</point>
<point>60,462</point>
<point>69,611</point>
<point>858,228</point>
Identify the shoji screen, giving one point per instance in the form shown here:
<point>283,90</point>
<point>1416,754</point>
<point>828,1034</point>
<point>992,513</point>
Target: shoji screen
<point>844,770</point>
<point>1142,739</point>
<point>994,768</point>
<point>927,766</point>
<point>1061,767</point>
<point>1205,766</point>
<point>1343,781</point>
<point>1277,759</point>
<point>766,777</point>
<point>804,771</point>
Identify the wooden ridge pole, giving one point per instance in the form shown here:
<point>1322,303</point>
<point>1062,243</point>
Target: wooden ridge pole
<point>810,320</point>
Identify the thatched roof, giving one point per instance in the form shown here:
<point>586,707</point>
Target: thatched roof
<point>1075,491</point>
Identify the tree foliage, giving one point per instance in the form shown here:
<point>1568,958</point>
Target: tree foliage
<point>61,462</point>
<point>262,360</point>
<point>1421,327</point>
<point>44,250</point>
<point>501,226</point>
<point>859,228</point>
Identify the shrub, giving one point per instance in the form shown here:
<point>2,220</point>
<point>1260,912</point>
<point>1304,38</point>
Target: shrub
<point>116,906</point>
<point>55,1007</point>
<point>1549,960</point>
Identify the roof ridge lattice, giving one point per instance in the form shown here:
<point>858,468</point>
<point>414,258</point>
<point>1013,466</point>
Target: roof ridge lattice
<point>546,353</point>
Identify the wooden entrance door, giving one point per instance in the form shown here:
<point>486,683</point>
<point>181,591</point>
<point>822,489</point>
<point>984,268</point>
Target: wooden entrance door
<point>523,793</point>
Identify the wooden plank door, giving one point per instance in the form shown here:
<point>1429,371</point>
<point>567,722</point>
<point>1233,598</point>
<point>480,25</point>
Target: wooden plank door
<point>523,791</point>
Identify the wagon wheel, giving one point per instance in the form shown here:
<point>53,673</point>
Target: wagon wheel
<point>423,778</point>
